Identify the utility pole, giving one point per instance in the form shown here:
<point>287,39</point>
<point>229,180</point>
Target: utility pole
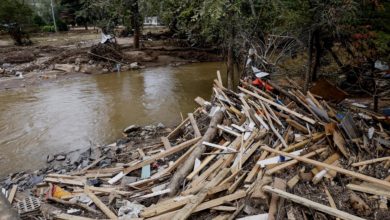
<point>54,16</point>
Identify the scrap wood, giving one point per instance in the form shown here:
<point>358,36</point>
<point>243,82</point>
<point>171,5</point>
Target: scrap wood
<point>166,143</point>
<point>100,204</point>
<point>330,199</point>
<point>64,216</point>
<point>194,125</point>
<point>366,162</point>
<point>64,181</point>
<point>207,205</point>
<point>340,143</point>
<point>311,204</point>
<point>369,189</point>
<point>92,164</point>
<point>278,184</point>
<point>331,167</point>
<point>12,193</point>
<point>314,137</point>
<point>187,210</point>
<point>185,169</point>
<point>293,162</point>
<point>305,118</point>
<point>69,203</point>
<point>154,158</point>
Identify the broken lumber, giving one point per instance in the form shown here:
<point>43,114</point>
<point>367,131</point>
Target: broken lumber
<point>186,168</point>
<point>311,204</point>
<point>331,167</point>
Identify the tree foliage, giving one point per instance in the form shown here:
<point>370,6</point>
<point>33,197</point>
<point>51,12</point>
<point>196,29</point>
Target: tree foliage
<point>14,17</point>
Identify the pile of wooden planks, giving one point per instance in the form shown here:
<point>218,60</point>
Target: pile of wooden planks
<point>249,154</point>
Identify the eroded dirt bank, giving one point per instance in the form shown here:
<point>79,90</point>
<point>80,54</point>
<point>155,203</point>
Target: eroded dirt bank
<point>56,57</point>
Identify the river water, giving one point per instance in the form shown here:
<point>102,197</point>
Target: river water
<point>85,111</point>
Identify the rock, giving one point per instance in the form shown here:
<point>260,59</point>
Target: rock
<point>150,128</point>
<point>131,128</point>
<point>90,62</point>
<point>77,69</point>
<point>160,125</point>
<point>77,61</point>
<point>105,70</point>
<point>125,68</point>
<point>7,65</point>
<point>60,157</point>
<point>134,66</point>
<point>49,158</point>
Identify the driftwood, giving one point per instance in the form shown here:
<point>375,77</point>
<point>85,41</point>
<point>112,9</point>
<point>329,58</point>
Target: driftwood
<point>185,169</point>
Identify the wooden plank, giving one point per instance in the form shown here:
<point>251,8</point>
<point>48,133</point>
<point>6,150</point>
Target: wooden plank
<point>64,181</point>
<point>12,193</point>
<point>64,216</point>
<point>194,125</point>
<point>224,208</point>
<point>315,137</point>
<point>92,164</point>
<point>221,200</point>
<point>206,205</point>
<point>100,204</point>
<point>369,190</point>
<point>330,199</point>
<point>297,126</point>
<point>166,143</point>
<point>219,77</point>
<point>340,143</point>
<point>206,161</point>
<point>305,118</point>
<point>331,167</point>
<point>366,162</point>
<point>292,162</point>
<point>311,204</point>
<point>164,207</point>
<point>178,128</point>
<point>235,185</point>
<point>187,210</point>
<point>154,158</point>
<point>278,184</point>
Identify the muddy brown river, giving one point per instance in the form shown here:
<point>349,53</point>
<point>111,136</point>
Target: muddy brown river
<point>91,110</point>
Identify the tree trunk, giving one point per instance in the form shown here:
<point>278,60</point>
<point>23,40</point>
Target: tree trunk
<point>136,24</point>
<point>317,62</point>
<point>230,58</point>
<point>86,25</point>
<point>252,8</point>
<point>309,63</point>
<point>186,167</point>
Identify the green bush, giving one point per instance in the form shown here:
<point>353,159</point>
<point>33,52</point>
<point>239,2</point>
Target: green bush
<point>38,20</point>
<point>48,28</point>
<point>62,25</point>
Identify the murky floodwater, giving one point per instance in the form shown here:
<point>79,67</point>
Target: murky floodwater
<point>74,114</point>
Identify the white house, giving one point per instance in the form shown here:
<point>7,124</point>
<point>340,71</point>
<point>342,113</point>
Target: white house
<point>152,21</point>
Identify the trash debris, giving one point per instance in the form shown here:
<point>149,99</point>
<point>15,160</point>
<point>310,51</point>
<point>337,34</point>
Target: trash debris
<point>249,154</point>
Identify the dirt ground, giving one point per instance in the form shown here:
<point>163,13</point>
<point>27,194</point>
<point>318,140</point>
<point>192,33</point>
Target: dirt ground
<point>56,56</point>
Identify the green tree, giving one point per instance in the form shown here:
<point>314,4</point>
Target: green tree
<point>14,17</point>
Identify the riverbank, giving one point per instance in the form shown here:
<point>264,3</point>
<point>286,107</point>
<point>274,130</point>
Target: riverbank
<point>55,57</point>
<point>235,156</point>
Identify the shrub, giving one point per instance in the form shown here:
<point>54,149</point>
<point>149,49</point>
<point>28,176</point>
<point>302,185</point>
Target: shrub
<point>48,28</point>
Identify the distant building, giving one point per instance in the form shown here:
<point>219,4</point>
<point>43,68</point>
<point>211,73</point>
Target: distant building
<point>152,21</point>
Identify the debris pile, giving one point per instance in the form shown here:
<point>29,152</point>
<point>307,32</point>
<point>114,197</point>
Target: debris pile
<point>250,154</point>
